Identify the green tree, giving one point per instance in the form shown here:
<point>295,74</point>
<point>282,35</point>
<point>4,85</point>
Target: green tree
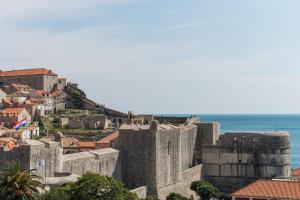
<point>18,184</point>
<point>57,194</point>
<point>95,187</point>
<point>176,196</point>
<point>204,189</point>
<point>150,198</point>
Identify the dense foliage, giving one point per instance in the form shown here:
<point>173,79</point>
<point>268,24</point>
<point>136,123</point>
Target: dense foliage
<point>18,184</point>
<point>60,194</point>
<point>95,187</point>
<point>150,198</point>
<point>204,189</point>
<point>91,187</point>
<point>176,196</point>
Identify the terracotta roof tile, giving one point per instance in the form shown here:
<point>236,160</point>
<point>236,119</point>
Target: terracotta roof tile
<point>281,189</point>
<point>295,172</point>
<point>108,139</point>
<point>86,144</point>
<point>12,110</point>
<point>20,87</point>
<point>42,92</point>
<point>27,72</point>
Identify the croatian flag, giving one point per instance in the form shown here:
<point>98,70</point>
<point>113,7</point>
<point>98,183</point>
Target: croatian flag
<point>20,124</point>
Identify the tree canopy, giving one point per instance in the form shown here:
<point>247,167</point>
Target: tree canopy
<point>204,189</point>
<point>91,187</point>
<point>176,196</point>
<point>95,187</point>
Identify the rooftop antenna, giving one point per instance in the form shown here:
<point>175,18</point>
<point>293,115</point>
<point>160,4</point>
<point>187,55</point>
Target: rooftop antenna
<point>276,130</point>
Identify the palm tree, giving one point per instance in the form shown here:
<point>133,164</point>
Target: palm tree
<point>18,184</point>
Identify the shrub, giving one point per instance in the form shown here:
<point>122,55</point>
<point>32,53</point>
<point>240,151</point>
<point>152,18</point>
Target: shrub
<point>176,196</point>
<point>57,194</point>
<point>204,189</point>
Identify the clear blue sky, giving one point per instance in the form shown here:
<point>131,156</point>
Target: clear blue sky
<point>154,56</point>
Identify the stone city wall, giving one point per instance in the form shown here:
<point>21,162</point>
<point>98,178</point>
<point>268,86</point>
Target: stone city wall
<point>103,161</point>
<point>242,157</point>
<point>183,186</point>
<point>168,154</point>
<point>138,148</point>
<point>188,146</point>
<point>44,157</point>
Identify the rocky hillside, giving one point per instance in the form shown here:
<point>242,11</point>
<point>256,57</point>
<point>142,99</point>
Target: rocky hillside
<point>77,99</point>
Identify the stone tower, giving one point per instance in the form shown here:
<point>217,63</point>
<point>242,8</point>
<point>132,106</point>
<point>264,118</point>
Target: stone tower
<point>238,158</point>
<point>151,155</point>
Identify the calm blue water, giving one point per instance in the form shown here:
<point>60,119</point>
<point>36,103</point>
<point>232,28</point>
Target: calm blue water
<point>290,123</point>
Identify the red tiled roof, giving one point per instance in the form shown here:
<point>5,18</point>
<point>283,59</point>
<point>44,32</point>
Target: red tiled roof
<point>12,111</point>
<point>86,144</point>
<point>295,172</point>
<point>109,138</point>
<point>20,87</point>
<point>8,142</point>
<point>42,92</point>
<point>27,72</point>
<point>271,188</point>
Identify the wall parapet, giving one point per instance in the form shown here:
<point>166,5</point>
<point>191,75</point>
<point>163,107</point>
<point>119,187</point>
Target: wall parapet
<point>141,192</point>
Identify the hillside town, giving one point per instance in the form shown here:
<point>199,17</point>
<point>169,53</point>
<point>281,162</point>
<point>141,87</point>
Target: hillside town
<point>49,124</point>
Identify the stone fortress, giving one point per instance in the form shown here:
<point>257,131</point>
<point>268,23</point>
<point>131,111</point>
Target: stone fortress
<point>160,155</point>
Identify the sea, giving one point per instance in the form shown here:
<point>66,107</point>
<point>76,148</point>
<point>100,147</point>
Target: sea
<point>234,122</point>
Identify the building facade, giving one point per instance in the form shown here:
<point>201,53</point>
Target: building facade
<point>39,78</point>
<point>9,116</point>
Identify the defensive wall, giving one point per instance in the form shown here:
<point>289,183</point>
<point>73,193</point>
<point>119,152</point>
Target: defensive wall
<point>103,161</point>
<point>47,158</point>
<point>44,157</point>
<point>164,158</point>
<point>239,158</point>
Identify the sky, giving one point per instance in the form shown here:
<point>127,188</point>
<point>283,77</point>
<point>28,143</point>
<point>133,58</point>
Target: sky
<point>170,56</point>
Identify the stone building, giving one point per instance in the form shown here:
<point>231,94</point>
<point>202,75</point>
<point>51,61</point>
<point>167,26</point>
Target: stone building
<point>9,116</point>
<point>95,121</point>
<point>61,83</point>
<point>38,78</point>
